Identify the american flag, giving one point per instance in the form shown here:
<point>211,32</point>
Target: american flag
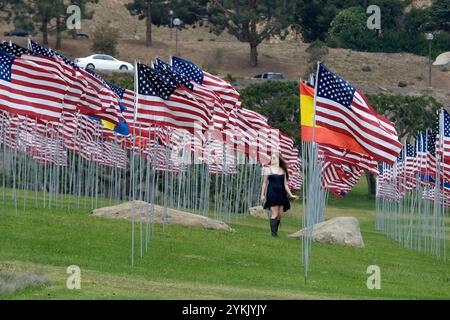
<point>29,89</point>
<point>431,151</point>
<point>443,137</point>
<point>339,155</point>
<point>202,93</point>
<point>161,102</point>
<point>342,108</point>
<point>226,92</point>
<point>407,167</point>
<point>387,187</point>
<point>90,92</point>
<point>339,178</point>
<point>421,152</point>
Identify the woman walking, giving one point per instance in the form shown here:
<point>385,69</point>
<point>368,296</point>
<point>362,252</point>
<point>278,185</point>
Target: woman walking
<point>275,191</point>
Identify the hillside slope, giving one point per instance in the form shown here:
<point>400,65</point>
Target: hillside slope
<point>225,55</point>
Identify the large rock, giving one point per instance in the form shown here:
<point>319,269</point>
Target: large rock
<point>442,60</point>
<point>341,230</point>
<point>258,212</point>
<point>140,209</point>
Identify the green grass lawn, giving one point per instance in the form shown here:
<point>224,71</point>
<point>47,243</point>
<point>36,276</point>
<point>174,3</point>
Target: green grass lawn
<point>186,263</point>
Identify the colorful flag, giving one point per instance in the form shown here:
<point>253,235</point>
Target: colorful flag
<point>321,135</point>
<point>342,108</point>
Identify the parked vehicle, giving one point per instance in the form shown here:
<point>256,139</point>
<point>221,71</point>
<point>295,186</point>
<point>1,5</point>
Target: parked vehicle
<point>81,36</point>
<point>270,76</point>
<point>19,33</point>
<point>103,62</point>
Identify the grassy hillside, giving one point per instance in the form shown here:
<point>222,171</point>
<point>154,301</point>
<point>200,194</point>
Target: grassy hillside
<point>184,263</point>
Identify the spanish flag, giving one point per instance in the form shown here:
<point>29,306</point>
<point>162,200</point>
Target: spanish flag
<point>321,135</point>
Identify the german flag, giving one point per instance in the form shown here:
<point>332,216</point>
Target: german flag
<point>321,135</point>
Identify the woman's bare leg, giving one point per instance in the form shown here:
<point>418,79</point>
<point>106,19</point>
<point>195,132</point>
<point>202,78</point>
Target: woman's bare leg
<point>280,212</point>
<point>274,211</point>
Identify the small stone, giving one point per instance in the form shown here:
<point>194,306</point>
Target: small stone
<point>403,84</point>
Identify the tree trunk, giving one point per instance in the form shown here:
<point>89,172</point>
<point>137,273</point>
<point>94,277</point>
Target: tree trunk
<point>371,184</point>
<point>44,29</point>
<point>253,44</point>
<point>58,33</point>
<point>149,26</point>
<point>253,55</point>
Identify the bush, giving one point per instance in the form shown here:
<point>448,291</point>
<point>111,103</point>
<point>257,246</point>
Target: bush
<point>123,80</point>
<point>348,30</point>
<point>279,101</point>
<point>106,39</point>
<point>366,68</point>
<point>317,51</point>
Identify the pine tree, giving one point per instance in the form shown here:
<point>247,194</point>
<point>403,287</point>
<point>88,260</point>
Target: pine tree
<point>156,12</point>
<point>252,21</point>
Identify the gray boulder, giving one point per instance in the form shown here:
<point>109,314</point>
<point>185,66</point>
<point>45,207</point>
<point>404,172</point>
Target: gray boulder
<point>141,210</point>
<point>341,230</point>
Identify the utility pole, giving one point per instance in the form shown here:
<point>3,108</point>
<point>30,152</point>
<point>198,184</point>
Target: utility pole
<point>430,38</point>
<point>177,22</point>
<point>171,23</point>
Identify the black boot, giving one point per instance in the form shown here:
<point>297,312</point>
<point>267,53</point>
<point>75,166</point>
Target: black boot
<point>278,223</point>
<point>274,227</point>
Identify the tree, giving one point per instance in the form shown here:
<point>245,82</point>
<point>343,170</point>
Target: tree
<point>18,12</point>
<point>279,102</point>
<point>26,13</point>
<point>252,21</point>
<point>156,12</point>
<point>440,15</point>
<point>43,11</point>
<point>317,51</point>
<point>348,29</point>
<point>61,16</point>
<point>313,17</point>
<point>409,114</point>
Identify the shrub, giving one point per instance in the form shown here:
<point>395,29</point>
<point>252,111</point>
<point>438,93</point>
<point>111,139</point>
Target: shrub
<point>230,78</point>
<point>366,68</point>
<point>317,51</point>
<point>123,80</point>
<point>106,39</point>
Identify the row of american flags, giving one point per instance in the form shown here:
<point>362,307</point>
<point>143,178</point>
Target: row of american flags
<point>49,107</point>
<point>422,165</point>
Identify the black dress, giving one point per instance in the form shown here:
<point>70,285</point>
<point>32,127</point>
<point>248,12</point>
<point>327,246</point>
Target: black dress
<point>276,193</point>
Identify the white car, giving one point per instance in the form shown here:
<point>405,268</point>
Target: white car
<point>103,62</point>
